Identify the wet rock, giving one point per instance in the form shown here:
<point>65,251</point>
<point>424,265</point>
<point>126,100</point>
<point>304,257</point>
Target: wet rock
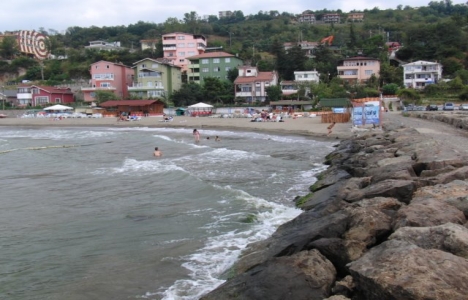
<point>305,275</point>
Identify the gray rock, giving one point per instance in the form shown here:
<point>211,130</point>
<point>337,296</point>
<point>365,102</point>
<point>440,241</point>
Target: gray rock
<point>305,275</point>
<point>401,270</point>
<point>448,237</point>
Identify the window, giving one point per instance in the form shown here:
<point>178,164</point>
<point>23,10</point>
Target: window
<point>105,84</point>
<point>246,89</point>
<point>204,61</point>
<point>181,37</point>
<point>104,76</point>
<point>181,60</point>
<point>42,100</point>
<point>216,69</point>
<point>96,67</point>
<point>227,59</point>
<point>57,100</point>
<point>258,89</point>
<point>143,66</point>
<point>107,66</point>
<point>92,94</point>
<point>205,70</point>
<point>305,76</point>
<point>191,45</point>
<point>191,53</point>
<point>155,66</point>
<point>227,69</point>
<point>181,45</point>
<point>34,91</point>
<point>216,60</point>
<point>368,72</point>
<point>181,53</point>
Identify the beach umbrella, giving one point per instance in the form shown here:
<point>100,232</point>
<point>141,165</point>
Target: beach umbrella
<point>58,107</point>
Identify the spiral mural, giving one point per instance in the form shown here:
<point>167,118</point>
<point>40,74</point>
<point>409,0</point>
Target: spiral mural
<point>33,43</point>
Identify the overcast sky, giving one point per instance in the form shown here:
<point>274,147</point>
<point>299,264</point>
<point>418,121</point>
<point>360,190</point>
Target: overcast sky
<point>61,14</point>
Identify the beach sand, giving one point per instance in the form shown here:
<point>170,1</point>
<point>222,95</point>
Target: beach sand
<point>302,126</point>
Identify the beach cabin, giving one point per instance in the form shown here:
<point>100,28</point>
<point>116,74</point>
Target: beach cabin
<point>140,108</point>
<point>339,110</point>
<point>290,106</point>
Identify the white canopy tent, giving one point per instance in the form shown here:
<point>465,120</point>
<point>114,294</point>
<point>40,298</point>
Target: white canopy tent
<point>58,107</point>
<point>200,109</point>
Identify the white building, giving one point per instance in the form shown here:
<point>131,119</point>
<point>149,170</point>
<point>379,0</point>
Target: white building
<point>251,85</point>
<point>421,73</point>
<point>301,78</point>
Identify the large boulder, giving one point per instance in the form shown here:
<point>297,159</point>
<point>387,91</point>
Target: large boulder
<point>425,212</point>
<point>293,237</point>
<point>401,270</point>
<point>448,237</point>
<point>306,275</point>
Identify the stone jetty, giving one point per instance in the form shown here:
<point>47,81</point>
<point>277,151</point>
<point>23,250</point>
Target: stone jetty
<point>386,220</point>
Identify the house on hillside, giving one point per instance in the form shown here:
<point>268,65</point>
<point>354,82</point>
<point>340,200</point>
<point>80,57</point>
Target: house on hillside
<point>177,46</point>
<point>211,64</point>
<point>36,95</point>
<point>149,44</point>
<point>155,78</point>
<point>359,69</point>
<point>307,47</point>
<point>355,17</point>
<point>108,76</point>
<point>301,78</point>
<point>103,45</point>
<point>251,84</point>
<point>421,73</point>
<point>307,19</point>
<point>331,18</point>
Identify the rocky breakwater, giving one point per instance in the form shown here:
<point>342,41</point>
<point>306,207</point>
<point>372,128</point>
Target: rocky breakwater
<point>386,220</point>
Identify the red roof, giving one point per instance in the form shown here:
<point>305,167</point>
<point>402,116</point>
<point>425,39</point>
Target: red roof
<point>113,103</point>
<point>262,76</point>
<point>48,89</point>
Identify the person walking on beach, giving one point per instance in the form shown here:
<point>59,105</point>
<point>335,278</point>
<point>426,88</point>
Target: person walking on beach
<point>157,152</point>
<point>330,128</point>
<point>196,135</point>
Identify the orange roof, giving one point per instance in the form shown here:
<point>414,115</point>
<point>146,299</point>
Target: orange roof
<point>262,76</point>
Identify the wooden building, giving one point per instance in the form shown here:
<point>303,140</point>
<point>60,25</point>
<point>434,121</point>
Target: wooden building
<point>134,107</point>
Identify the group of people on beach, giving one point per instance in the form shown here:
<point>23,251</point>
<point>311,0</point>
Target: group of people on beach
<point>196,135</point>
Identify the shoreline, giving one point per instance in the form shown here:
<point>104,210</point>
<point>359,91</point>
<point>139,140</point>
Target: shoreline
<point>300,126</point>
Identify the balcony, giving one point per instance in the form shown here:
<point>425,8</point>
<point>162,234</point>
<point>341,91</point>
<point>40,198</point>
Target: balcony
<point>194,66</point>
<point>142,87</point>
<point>92,89</point>
<point>169,48</point>
<point>24,96</point>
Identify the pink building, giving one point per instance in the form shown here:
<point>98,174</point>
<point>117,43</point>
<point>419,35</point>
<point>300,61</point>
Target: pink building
<point>108,76</point>
<point>35,95</point>
<point>178,46</point>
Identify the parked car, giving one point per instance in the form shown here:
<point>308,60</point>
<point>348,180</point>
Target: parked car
<point>432,107</point>
<point>449,106</point>
<point>463,107</point>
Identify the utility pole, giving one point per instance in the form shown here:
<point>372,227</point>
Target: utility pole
<point>3,97</point>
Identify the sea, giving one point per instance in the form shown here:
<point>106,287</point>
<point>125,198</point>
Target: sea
<point>90,213</point>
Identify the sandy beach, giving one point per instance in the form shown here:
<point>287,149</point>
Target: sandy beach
<point>302,126</point>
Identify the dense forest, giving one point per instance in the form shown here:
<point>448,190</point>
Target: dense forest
<point>436,32</point>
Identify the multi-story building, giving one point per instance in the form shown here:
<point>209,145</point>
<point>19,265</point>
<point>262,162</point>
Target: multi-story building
<point>106,46</point>
<point>358,69</point>
<point>307,18</point>
<point>301,78</point>
<point>108,76</point>
<point>35,95</point>
<point>308,47</point>
<point>331,18</point>
<point>211,64</point>
<point>420,73</point>
<point>178,46</point>
<point>251,84</point>
<point>355,17</point>
<point>155,78</point>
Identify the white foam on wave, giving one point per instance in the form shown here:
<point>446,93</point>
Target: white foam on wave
<point>220,252</point>
<point>56,134</point>
<point>133,167</point>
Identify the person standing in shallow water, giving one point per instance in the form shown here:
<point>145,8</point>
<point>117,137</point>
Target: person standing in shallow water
<point>196,135</point>
<point>330,128</point>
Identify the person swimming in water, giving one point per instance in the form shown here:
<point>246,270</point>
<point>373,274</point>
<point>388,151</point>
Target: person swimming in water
<point>196,135</point>
<point>157,152</point>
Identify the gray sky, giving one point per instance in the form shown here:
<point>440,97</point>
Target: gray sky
<point>61,14</point>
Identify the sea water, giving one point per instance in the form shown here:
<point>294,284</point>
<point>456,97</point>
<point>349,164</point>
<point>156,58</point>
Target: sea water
<point>89,213</point>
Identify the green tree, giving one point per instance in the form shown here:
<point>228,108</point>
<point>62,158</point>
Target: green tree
<point>8,47</point>
<point>390,89</point>
<point>190,93</point>
<point>102,96</point>
<point>409,95</point>
<point>274,92</point>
